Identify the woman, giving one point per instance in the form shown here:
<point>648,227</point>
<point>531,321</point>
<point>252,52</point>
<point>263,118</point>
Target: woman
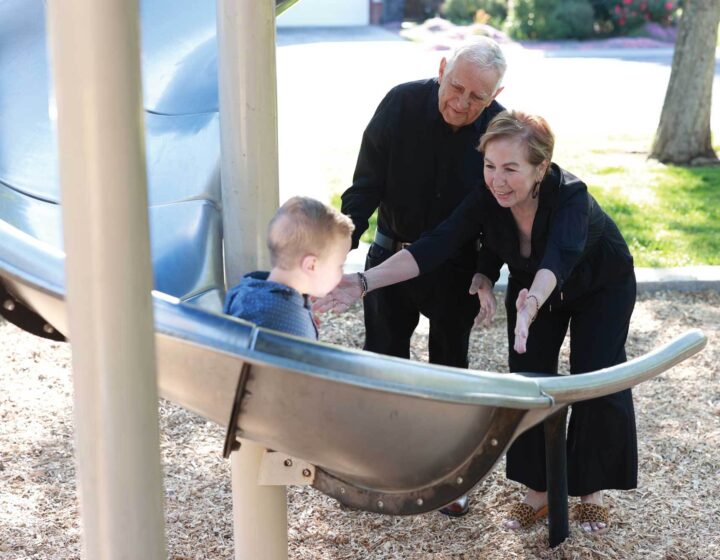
<point>569,267</point>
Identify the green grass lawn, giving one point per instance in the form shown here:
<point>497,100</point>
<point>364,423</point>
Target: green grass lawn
<point>670,216</point>
<point>677,224</point>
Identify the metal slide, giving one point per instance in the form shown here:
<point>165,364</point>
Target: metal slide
<point>384,434</point>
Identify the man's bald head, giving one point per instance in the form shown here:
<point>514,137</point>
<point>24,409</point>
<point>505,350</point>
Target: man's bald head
<point>470,81</point>
<point>484,54</point>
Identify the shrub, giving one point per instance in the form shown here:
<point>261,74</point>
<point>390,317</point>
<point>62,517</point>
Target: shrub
<point>420,10</point>
<point>572,20</point>
<point>629,14</point>
<point>492,12</point>
<point>551,19</point>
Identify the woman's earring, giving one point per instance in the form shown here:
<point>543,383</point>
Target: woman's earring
<point>536,190</point>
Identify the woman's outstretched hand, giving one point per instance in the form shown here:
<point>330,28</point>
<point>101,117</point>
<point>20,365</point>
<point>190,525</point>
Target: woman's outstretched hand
<point>482,286</point>
<point>347,292</point>
<point>526,312</point>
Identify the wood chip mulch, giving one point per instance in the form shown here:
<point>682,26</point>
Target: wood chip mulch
<point>673,515</point>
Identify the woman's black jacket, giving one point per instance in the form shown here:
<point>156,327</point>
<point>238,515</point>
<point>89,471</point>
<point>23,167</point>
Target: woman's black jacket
<point>571,236</point>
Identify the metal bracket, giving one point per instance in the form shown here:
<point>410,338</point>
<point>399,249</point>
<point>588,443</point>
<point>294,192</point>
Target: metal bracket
<point>231,435</point>
<point>279,469</point>
<point>19,314</point>
<point>557,483</point>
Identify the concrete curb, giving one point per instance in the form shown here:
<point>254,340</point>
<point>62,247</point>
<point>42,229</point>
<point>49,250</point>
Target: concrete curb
<point>682,279</point>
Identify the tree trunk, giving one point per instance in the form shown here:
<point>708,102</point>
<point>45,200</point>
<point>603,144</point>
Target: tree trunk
<point>683,135</point>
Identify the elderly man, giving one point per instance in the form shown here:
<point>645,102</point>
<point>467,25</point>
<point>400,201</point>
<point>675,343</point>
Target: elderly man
<point>417,161</point>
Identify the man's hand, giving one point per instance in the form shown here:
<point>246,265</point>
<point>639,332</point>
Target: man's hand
<point>482,286</point>
<point>347,292</point>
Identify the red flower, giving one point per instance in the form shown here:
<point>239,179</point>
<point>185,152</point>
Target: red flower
<point>622,21</point>
<point>668,6</point>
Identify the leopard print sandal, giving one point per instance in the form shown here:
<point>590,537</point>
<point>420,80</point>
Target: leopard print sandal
<point>592,513</point>
<point>525,514</point>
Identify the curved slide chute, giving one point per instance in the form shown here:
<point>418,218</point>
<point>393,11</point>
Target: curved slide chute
<point>385,434</point>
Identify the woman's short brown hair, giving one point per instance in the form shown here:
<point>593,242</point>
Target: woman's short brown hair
<point>533,130</point>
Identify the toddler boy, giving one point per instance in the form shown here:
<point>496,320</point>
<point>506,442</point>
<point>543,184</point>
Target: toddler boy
<point>308,244</point>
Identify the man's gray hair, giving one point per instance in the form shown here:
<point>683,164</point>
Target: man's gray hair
<point>485,54</point>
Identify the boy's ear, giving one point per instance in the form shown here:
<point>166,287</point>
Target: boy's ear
<point>308,263</point>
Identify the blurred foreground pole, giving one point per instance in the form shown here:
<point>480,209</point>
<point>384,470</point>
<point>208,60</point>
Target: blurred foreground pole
<point>249,171</point>
<point>94,47</point>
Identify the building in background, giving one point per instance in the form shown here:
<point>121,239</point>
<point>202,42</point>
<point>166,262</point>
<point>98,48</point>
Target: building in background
<point>342,13</point>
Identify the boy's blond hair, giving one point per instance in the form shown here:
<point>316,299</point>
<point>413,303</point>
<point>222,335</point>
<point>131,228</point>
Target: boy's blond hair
<point>304,226</point>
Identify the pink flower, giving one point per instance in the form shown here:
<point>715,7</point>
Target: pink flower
<point>627,1</point>
<point>622,21</point>
<point>643,6</point>
<point>668,6</point>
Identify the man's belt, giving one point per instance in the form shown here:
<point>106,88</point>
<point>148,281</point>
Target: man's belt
<point>389,243</point>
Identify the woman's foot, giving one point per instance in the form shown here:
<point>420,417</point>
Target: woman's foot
<point>525,513</point>
<point>592,514</point>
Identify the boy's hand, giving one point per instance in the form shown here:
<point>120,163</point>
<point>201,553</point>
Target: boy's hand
<point>346,293</point>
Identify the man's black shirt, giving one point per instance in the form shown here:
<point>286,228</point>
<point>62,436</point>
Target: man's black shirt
<point>413,167</point>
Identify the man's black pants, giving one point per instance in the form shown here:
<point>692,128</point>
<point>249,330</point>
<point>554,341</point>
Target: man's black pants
<point>392,313</point>
<point>601,440</point>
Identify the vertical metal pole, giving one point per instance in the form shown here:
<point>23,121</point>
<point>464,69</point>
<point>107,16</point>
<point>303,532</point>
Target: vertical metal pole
<point>95,52</point>
<point>249,172</point>
<point>556,468</point>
